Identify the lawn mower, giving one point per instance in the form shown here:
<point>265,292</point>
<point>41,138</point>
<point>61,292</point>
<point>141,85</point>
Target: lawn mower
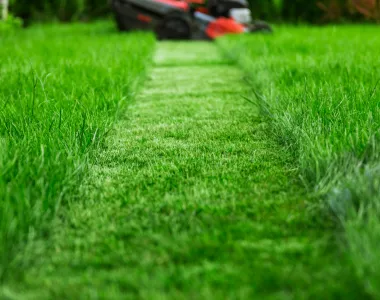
<point>187,19</point>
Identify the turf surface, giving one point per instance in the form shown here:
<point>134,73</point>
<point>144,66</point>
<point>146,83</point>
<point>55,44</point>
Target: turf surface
<point>61,89</point>
<point>319,90</point>
<point>189,199</point>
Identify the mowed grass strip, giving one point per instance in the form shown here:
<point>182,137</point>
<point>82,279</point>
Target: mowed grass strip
<point>61,89</point>
<point>189,199</point>
<point>319,88</point>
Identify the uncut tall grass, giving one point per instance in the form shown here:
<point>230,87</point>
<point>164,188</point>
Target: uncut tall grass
<point>61,89</point>
<point>319,89</point>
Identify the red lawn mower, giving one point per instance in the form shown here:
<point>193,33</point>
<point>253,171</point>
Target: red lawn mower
<point>187,19</point>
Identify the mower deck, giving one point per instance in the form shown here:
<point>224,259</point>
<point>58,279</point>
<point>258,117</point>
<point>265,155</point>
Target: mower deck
<point>190,19</point>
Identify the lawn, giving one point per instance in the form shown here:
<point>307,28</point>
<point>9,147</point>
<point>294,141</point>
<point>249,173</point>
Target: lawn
<point>241,169</point>
<point>61,89</point>
<point>318,89</point>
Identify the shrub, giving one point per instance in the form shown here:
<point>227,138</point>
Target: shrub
<point>317,11</point>
<point>61,10</point>
<point>10,24</point>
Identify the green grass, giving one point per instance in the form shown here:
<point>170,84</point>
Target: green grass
<point>188,190</point>
<point>189,198</point>
<point>318,88</point>
<point>62,88</point>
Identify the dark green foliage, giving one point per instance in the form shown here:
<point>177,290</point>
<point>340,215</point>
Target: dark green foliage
<point>62,10</point>
<point>316,11</point>
<point>286,10</point>
<point>96,8</point>
<point>265,9</point>
<point>300,10</point>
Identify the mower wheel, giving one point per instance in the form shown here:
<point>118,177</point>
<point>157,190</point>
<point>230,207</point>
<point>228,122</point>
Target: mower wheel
<point>260,26</point>
<point>121,24</point>
<point>174,27</point>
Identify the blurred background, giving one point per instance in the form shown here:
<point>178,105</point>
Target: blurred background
<point>296,11</point>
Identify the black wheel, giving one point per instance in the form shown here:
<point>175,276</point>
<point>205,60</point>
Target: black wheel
<point>260,26</point>
<point>119,22</point>
<point>174,27</point>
